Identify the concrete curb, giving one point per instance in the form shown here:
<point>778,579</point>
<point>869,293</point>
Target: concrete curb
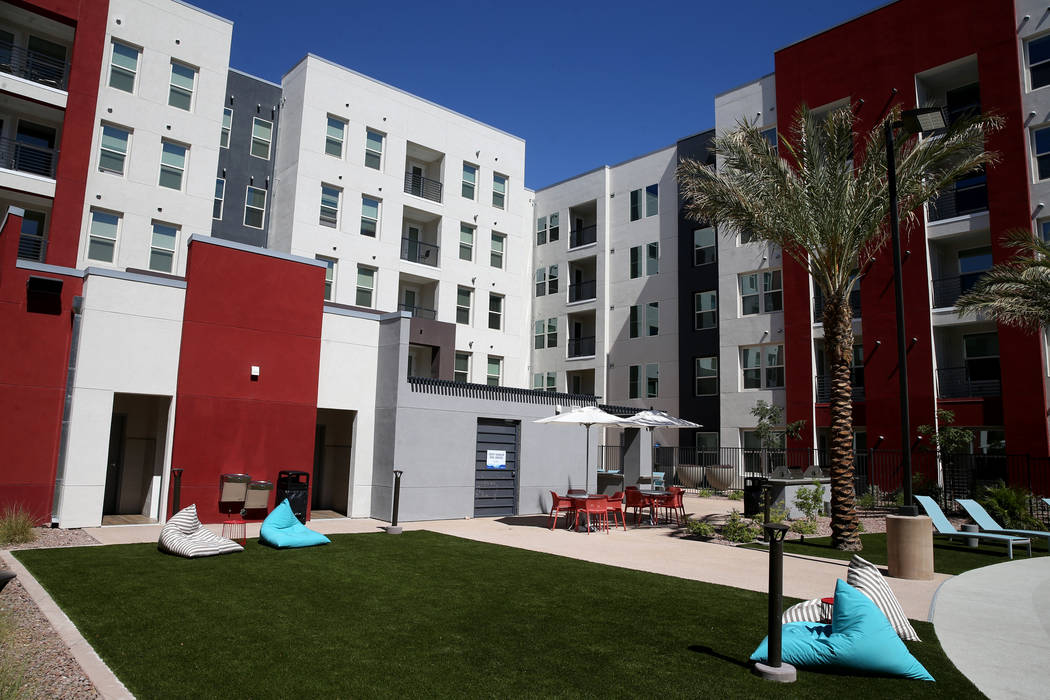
<point>106,682</point>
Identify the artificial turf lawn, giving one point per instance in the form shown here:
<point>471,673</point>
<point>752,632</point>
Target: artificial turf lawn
<point>426,615</point>
<point>949,556</point>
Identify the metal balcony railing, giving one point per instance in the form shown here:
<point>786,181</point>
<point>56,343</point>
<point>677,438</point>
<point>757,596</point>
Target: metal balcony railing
<point>417,251</point>
<point>824,390</point>
<point>583,236</point>
<point>32,247</point>
<point>947,290</point>
<point>581,347</point>
<point>418,311</point>
<point>966,196</point>
<point>423,187</point>
<point>25,158</point>
<point>956,383</point>
<point>583,291</point>
<point>818,303</point>
<point>34,66</point>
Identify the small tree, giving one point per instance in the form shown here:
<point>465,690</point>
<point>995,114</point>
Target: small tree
<point>770,426</point>
<point>946,438</point>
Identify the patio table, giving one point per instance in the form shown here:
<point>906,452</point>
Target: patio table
<point>577,500</point>
<point>651,496</point>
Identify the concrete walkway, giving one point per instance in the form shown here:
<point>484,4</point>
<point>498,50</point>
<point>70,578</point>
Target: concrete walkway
<point>994,624</point>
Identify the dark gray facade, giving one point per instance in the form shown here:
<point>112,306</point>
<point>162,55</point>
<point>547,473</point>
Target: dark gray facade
<point>240,163</point>
<point>694,278</point>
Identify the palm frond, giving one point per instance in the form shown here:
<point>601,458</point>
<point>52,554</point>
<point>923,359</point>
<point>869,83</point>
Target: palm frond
<point>1016,292</point>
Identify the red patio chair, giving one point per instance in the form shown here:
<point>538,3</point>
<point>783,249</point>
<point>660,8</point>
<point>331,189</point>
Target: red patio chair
<point>637,500</point>
<point>673,503</point>
<point>597,506</point>
<point>559,504</point>
<point>615,506</point>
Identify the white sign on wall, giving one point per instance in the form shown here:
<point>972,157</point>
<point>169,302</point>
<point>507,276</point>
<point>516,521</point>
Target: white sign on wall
<point>496,459</point>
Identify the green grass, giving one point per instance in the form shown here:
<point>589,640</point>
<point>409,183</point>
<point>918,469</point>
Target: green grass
<point>949,556</point>
<point>426,615</point>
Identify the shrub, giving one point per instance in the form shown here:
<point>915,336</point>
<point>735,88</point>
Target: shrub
<point>920,486</point>
<point>810,500</point>
<point>860,526</point>
<point>736,495</point>
<point>700,528</point>
<point>804,527</point>
<point>1008,506</point>
<point>738,529</point>
<point>705,493</point>
<point>870,499</point>
<point>16,525</point>
<point>777,514</point>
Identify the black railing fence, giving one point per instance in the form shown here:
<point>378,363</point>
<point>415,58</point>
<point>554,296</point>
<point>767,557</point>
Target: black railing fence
<point>581,347</point>
<point>965,196</point>
<point>423,187</point>
<point>26,158</point>
<point>957,383</point>
<point>33,65</point>
<point>417,251</point>
<point>582,291</point>
<point>824,390</point>
<point>418,311</point>
<point>32,247</point>
<point>818,304</point>
<point>583,236</point>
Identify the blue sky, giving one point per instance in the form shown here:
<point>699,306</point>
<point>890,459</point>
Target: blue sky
<point>584,83</point>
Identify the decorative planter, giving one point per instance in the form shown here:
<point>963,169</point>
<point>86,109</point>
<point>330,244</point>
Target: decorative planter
<point>690,476</point>
<point>720,477</point>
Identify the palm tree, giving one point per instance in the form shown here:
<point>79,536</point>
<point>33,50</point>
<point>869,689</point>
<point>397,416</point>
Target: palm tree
<point>830,214</point>
<point>1016,292</point>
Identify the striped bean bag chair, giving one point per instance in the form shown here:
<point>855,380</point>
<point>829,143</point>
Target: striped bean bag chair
<point>184,536</point>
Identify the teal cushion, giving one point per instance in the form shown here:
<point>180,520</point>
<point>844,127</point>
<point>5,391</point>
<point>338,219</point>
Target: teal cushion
<point>859,638</point>
<point>282,529</point>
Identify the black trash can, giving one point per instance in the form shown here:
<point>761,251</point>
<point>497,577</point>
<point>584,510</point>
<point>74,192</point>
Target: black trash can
<point>753,488</point>
<point>295,486</point>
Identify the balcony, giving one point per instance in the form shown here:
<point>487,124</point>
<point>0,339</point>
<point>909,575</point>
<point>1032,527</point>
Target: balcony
<point>824,390</point>
<point>418,311</point>
<point>420,186</point>
<point>417,251</point>
<point>581,347</point>
<point>966,196</point>
<point>957,383</point>
<point>33,65</point>
<point>582,236</point>
<point>947,290</point>
<point>583,291</point>
<point>26,158</point>
<point>818,303</point>
<point>32,247</point>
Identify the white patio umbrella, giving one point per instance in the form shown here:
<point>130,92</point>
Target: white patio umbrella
<point>657,419</point>
<point>585,416</point>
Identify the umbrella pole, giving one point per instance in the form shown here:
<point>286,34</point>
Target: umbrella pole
<point>587,461</point>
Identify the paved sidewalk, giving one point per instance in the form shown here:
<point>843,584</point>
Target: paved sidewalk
<point>994,624</point>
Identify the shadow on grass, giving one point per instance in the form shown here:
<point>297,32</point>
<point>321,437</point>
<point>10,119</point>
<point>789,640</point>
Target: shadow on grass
<point>708,651</point>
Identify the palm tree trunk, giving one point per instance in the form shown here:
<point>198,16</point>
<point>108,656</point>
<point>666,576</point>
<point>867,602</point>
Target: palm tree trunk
<point>838,344</point>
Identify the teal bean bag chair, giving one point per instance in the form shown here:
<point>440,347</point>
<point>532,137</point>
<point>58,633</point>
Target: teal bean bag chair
<point>859,638</point>
<point>282,529</point>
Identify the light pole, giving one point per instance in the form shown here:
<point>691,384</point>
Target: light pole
<point>913,121</point>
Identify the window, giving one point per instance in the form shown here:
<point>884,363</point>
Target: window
<point>1043,229</point>
<point>499,243</point>
<point>768,297</point>
<point>553,232</point>
<point>770,135</point>
<point>172,164</point>
<point>162,247</point>
<point>539,335</point>
<point>466,242</point>
<point>707,442</point>
<point>1039,62</point>
<point>470,181</point>
<point>541,281</point>
<point>123,67</point>
<point>652,319</point>
<point>762,366</point>
<point>704,246</point>
<point>552,381</point>
<point>113,149</point>
<point>499,191</point>
<point>746,236</point>
<point>180,91</point>
<point>374,150</point>
<point>541,230</point>
<point>652,381</point>
<point>329,277</point>
<point>552,332</point>
<point>650,200</point>
<point>366,282</point>
<point>463,305</point>
<point>494,373</point>
<point>254,207</point>
<point>634,373</point>
<point>552,279</point>
<point>334,136</point>
<point>636,262</point>
<point>705,310</point>
<point>262,135</point>
<point>227,126</point>
<point>102,236</point>
<point>982,356</point>
<point>220,193</point>
<point>329,206</point>
<point>652,259</point>
<point>495,312</point>
<point>461,373</point>
<point>706,376</point>
<point>1042,152</point>
<point>369,216</point>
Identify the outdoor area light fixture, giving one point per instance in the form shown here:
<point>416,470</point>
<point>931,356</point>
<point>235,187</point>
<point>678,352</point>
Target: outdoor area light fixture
<point>917,121</point>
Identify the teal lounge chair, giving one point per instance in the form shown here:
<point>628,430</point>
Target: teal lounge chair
<point>944,527</point>
<point>980,516</point>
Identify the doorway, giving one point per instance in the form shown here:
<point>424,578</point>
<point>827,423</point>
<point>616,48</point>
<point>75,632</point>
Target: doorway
<point>496,468</point>
<point>135,464</point>
<point>333,443</point>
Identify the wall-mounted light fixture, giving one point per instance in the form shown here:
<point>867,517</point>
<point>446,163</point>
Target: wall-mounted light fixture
<point>254,373</point>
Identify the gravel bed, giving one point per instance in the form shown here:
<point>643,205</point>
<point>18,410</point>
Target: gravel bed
<point>50,671</point>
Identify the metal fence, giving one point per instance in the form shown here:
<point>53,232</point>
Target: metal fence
<point>423,187</point>
<point>583,236</point>
<point>27,158</point>
<point>33,65</point>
